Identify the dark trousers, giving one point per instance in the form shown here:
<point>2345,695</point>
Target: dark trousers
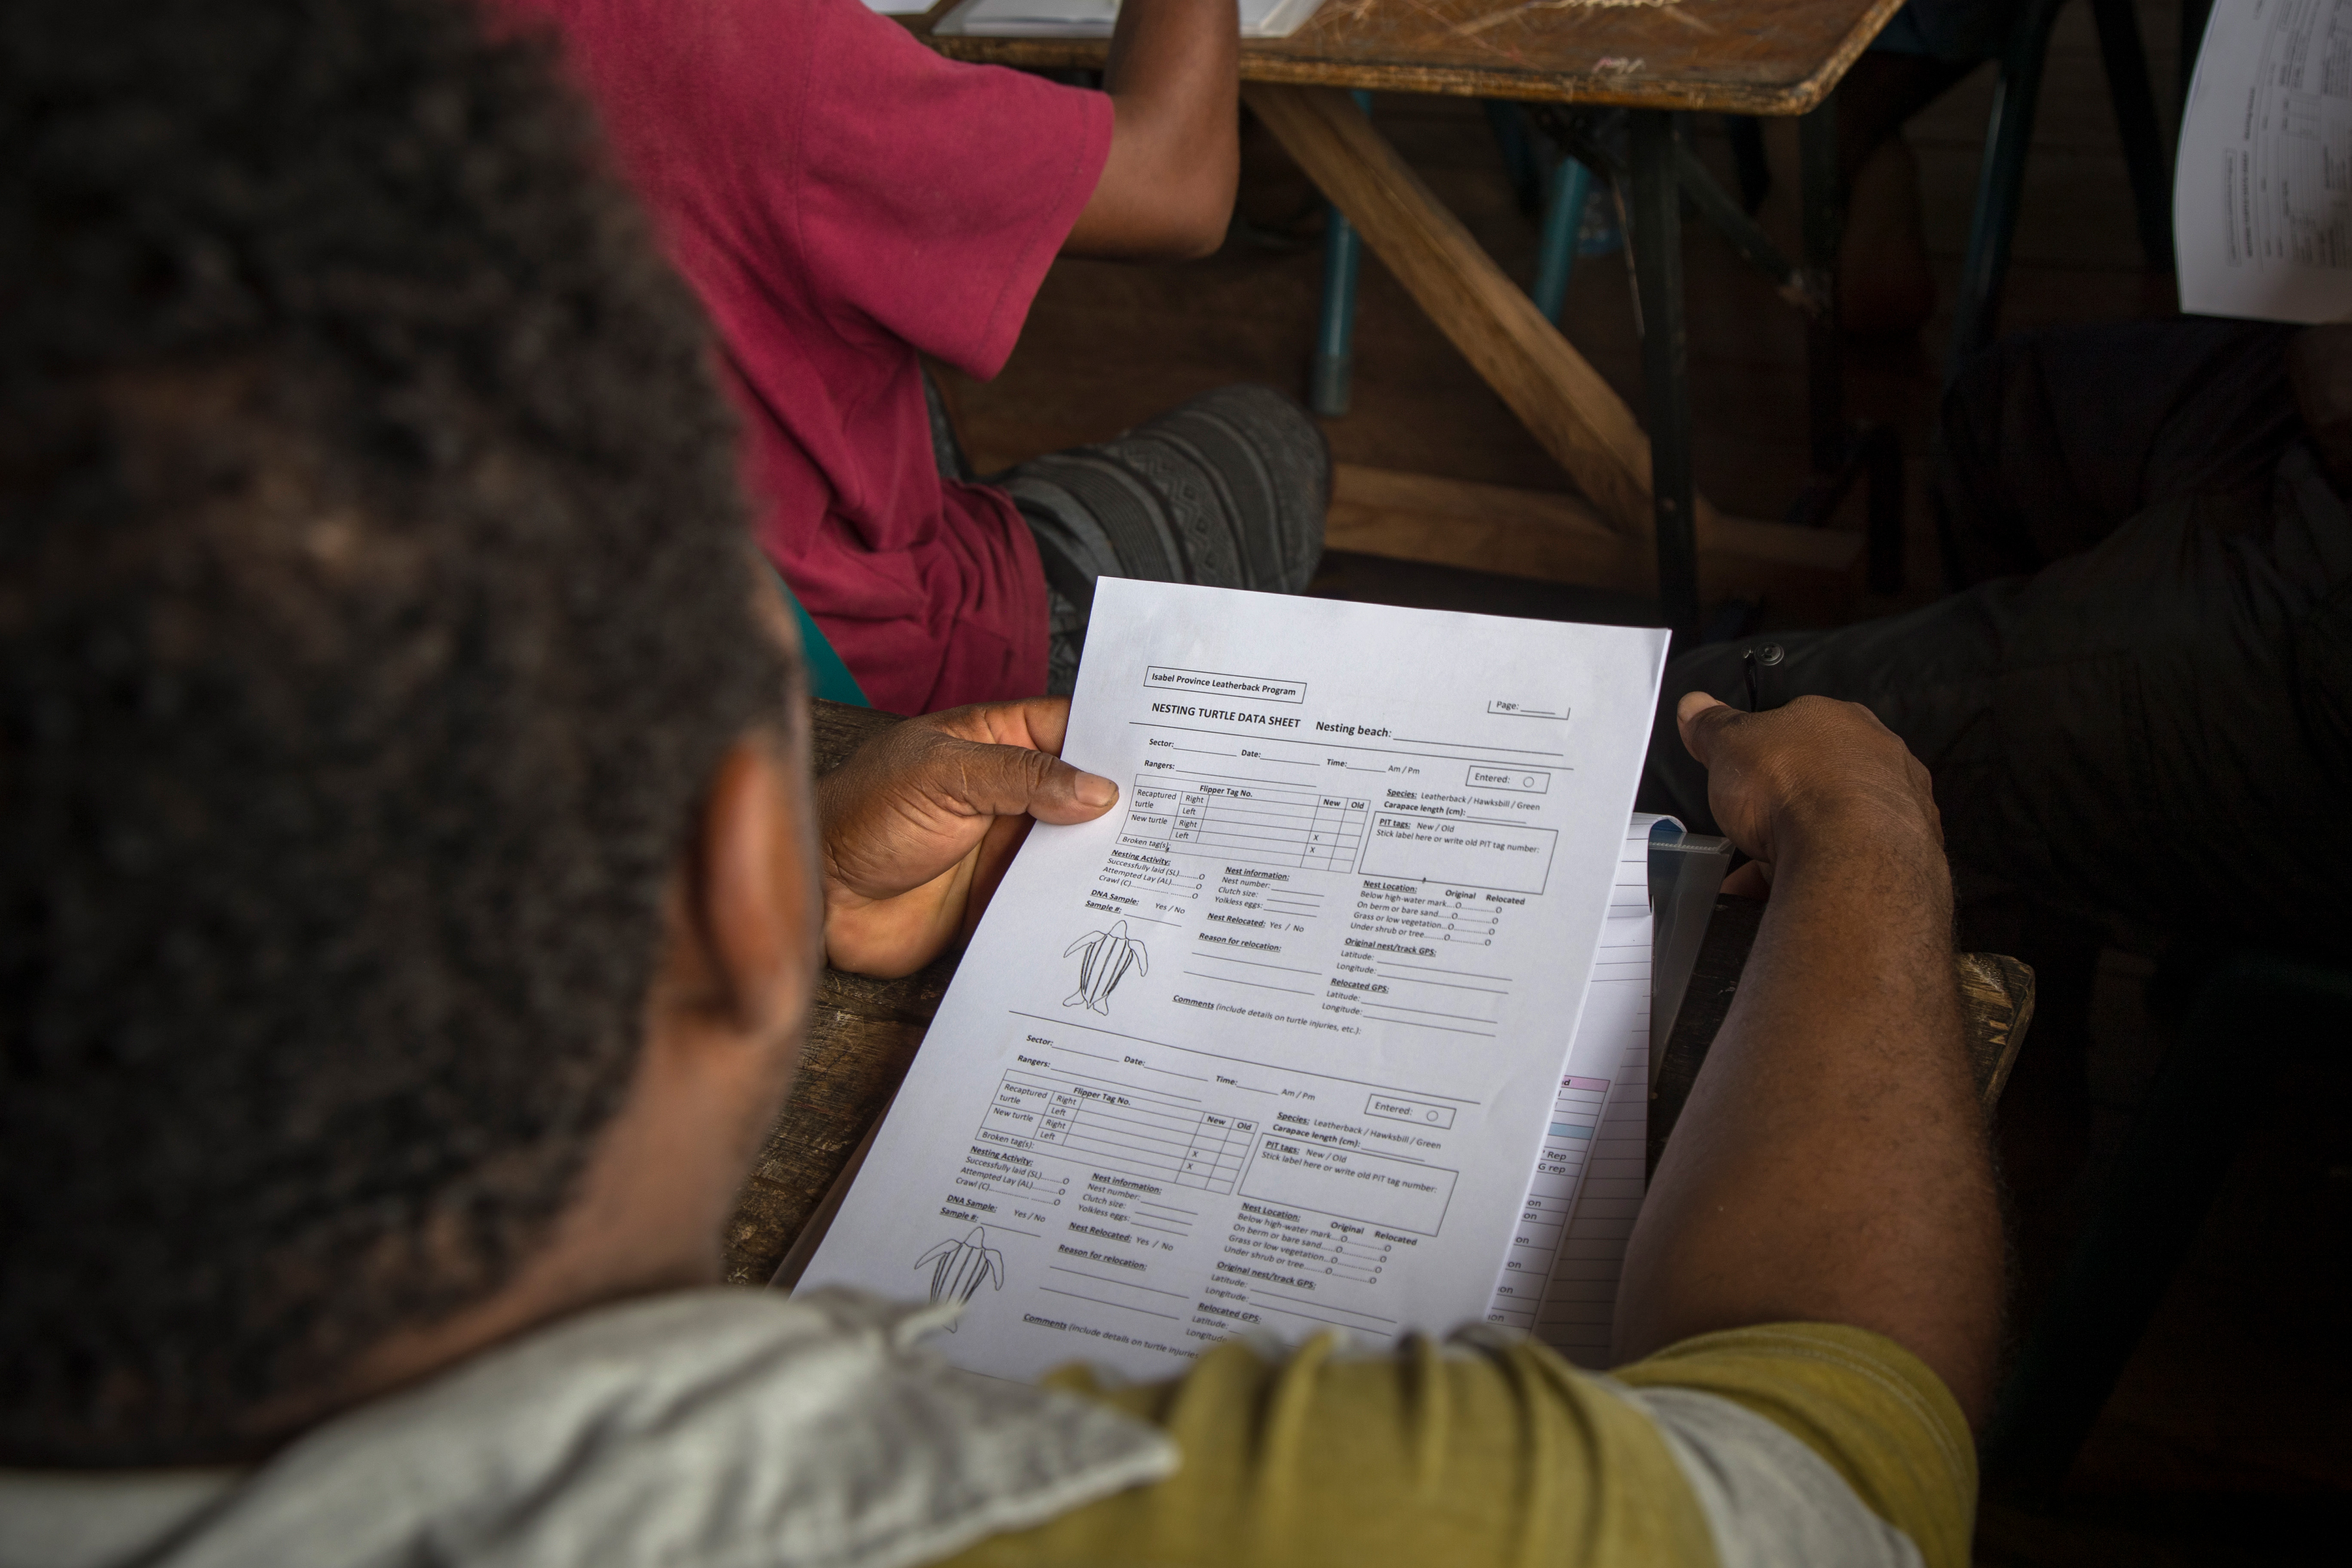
<point>1227,490</point>
<point>2141,713</point>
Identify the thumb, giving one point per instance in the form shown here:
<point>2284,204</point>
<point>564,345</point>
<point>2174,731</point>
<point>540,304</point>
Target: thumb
<point>1013,781</point>
<point>1702,720</point>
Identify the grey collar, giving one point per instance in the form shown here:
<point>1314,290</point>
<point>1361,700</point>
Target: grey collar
<point>723,1428</point>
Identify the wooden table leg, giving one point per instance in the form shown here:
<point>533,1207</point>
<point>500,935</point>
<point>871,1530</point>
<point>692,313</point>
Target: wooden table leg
<point>1656,210</point>
<point>1560,399</point>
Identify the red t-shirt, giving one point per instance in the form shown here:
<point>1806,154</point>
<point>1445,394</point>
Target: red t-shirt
<point>841,198</point>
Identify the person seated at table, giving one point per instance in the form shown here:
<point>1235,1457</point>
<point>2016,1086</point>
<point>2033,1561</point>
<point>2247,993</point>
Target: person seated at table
<point>414,893</point>
<point>2139,711</point>
<point>2138,708</point>
<point>845,201</point>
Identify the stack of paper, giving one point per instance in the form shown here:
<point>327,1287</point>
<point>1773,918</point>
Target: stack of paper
<point>1276,1044</point>
<point>1560,1278</point>
<point>1093,18</point>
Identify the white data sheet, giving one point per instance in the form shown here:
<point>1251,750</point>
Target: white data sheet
<point>1277,1042</point>
<point>2261,193</point>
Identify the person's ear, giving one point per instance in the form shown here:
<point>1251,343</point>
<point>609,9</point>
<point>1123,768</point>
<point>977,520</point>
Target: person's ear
<point>751,913</point>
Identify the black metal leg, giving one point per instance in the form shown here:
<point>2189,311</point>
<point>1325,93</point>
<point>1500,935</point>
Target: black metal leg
<point>2000,181</point>
<point>1842,452</point>
<point>2128,89</point>
<point>1824,225</point>
<point>1746,134</point>
<point>1714,206</point>
<point>1657,244</point>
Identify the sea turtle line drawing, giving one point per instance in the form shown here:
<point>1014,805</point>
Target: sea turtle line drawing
<point>959,1268</point>
<point>1109,955</point>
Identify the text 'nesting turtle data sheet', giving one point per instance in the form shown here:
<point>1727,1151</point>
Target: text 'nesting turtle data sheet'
<point>1276,1042</point>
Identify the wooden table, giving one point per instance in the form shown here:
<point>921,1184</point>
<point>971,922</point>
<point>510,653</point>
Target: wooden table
<point>863,1033</point>
<point>1742,56</point>
<point>1645,527</point>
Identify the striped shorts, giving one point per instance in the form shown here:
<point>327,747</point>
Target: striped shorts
<point>1228,491</point>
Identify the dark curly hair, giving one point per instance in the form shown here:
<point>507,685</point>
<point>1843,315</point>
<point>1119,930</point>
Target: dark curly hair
<point>376,606</point>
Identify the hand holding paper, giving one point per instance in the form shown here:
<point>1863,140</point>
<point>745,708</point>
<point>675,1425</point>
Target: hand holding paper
<point>1806,769</point>
<point>920,822</point>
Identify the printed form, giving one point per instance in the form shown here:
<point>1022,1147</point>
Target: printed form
<point>1277,1042</point>
<point>2262,192</point>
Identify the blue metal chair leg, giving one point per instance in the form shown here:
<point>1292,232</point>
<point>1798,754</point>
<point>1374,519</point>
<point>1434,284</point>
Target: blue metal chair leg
<point>1328,382</point>
<point>1330,378</point>
<point>2008,135</point>
<point>1520,162</point>
<point>1563,220</point>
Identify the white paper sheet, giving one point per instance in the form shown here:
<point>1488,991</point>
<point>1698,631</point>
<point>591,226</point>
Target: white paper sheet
<point>1094,18</point>
<point>2261,193</point>
<point>1587,1116</point>
<point>1580,1299</point>
<point>1275,1043</point>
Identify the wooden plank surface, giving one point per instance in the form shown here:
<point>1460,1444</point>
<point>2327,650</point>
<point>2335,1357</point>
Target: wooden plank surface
<point>1747,56</point>
<point>862,1036</point>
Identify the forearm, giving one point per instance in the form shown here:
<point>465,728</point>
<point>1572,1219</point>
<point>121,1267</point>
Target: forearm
<point>1181,53</point>
<point>1831,1164</point>
<point>1173,77</point>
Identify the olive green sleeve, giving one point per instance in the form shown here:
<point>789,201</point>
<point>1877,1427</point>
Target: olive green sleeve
<point>1430,1455</point>
<point>1468,1456</point>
